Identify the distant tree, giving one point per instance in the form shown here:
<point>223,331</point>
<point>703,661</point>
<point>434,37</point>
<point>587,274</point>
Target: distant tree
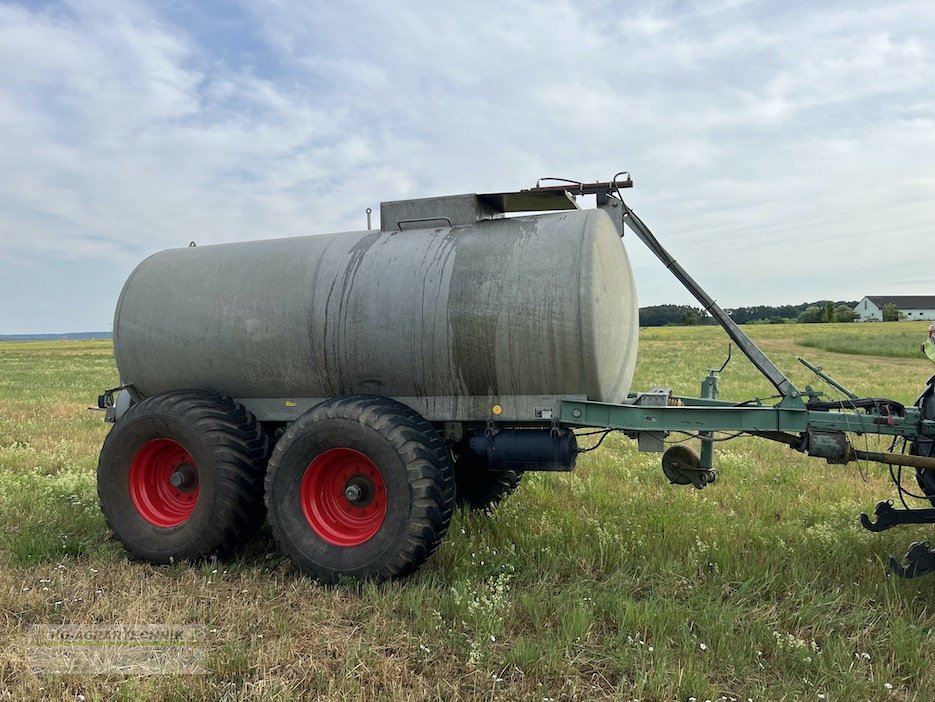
<point>659,315</point>
<point>811,315</point>
<point>741,315</point>
<point>663,315</point>
<point>891,313</point>
<point>844,313</point>
<point>766,313</point>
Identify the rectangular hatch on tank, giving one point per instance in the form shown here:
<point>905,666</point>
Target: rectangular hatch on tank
<point>460,210</point>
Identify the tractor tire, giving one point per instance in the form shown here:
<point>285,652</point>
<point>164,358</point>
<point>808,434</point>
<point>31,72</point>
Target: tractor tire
<point>359,487</point>
<point>480,488</point>
<point>924,446</point>
<point>180,477</point>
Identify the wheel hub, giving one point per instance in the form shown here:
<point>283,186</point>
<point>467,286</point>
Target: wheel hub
<point>163,483</point>
<point>359,491</point>
<point>185,478</point>
<point>343,497</point>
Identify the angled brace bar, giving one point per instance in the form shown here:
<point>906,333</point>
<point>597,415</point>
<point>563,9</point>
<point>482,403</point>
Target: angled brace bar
<point>744,342</point>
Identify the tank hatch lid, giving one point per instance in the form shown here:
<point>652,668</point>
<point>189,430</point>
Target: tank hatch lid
<point>531,200</point>
<point>544,198</point>
<point>459,210</point>
<point>456,210</point>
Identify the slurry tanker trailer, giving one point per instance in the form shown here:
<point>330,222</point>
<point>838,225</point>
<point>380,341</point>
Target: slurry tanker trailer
<point>353,388</point>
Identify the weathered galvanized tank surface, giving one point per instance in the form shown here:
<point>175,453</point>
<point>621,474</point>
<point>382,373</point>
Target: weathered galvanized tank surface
<point>540,305</point>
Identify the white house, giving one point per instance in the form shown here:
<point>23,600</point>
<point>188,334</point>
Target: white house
<point>911,306</point>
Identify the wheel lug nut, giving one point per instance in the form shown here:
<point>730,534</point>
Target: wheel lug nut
<point>352,493</point>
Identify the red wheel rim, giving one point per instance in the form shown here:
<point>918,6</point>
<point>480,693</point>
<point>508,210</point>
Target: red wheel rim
<point>343,497</point>
<point>164,483</point>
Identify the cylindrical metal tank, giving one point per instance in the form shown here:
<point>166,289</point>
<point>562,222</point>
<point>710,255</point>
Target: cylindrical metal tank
<point>533,305</point>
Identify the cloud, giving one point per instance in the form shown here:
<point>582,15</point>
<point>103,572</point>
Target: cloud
<point>792,134</point>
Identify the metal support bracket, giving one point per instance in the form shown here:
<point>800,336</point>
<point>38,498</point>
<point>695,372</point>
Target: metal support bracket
<point>709,391</point>
<point>555,428</point>
<point>115,401</point>
<point>653,441</point>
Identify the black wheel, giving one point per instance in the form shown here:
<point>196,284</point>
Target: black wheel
<point>478,487</point>
<point>678,459</point>
<point>180,477</point>
<point>359,487</point>
<point>925,446</point>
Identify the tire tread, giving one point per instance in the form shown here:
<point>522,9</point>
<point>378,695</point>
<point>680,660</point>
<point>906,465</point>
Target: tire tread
<point>239,449</point>
<point>428,468</point>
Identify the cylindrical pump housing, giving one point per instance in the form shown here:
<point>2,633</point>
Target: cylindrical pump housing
<point>546,449</point>
<point>526,306</point>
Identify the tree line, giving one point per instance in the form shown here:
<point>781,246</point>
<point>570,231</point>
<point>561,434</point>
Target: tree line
<point>805,313</point>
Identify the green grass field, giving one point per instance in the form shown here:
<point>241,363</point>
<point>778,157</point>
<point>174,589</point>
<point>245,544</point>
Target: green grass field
<point>605,583</point>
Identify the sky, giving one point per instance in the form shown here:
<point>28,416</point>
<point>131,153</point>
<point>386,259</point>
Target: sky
<point>782,152</point>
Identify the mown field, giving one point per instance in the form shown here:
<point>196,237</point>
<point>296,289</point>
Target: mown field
<point>606,583</point>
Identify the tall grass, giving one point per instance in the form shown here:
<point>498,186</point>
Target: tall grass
<point>891,339</point>
<point>605,583</point>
